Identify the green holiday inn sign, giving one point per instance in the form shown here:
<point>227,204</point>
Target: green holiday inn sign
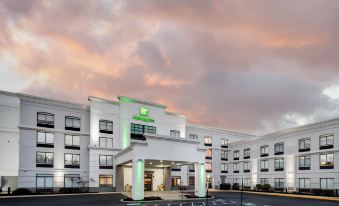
<point>143,115</point>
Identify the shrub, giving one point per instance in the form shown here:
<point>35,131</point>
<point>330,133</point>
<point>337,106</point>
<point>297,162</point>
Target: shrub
<point>235,186</point>
<point>0,190</point>
<point>225,186</point>
<point>247,188</point>
<point>266,187</point>
<point>69,190</point>
<point>21,191</point>
<point>258,187</point>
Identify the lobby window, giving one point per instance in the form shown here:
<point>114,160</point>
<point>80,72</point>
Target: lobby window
<point>71,180</point>
<point>235,167</point>
<point>208,166</point>
<point>326,161</point>
<point>304,183</point>
<point>208,154</point>
<point>224,143</point>
<point>106,142</point>
<point>72,123</point>
<point>304,145</point>
<point>247,153</point>
<point>264,151</point>
<point>236,155</point>
<point>264,165</point>
<point>44,182</point>
<point>45,119</point>
<point>224,155</point>
<point>191,181</point>
<point>191,168</point>
<point>279,183</point>
<point>176,168</point>
<point>175,133</point>
<point>105,180</point>
<point>72,160</point>
<point>44,159</point>
<point>326,141</point>
<point>72,142</point>
<point>208,141</point>
<point>304,162</point>
<point>264,181</point>
<point>176,181</point>
<point>106,126</point>
<point>279,164</point>
<point>247,167</point>
<point>105,162</point>
<point>224,168</point>
<point>45,139</point>
<point>193,136</point>
<point>326,183</point>
<point>279,148</point>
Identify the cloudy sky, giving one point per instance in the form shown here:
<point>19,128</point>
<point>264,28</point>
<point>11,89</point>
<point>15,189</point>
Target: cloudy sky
<point>249,66</point>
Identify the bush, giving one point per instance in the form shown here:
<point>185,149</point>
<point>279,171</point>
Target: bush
<point>247,188</point>
<point>0,190</point>
<point>258,187</point>
<point>266,187</point>
<point>323,192</point>
<point>69,190</point>
<point>22,191</point>
<point>235,186</point>
<point>225,186</point>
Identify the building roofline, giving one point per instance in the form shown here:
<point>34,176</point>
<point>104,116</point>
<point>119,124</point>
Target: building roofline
<point>175,114</point>
<point>218,129</point>
<point>133,100</point>
<point>90,98</point>
<point>9,93</point>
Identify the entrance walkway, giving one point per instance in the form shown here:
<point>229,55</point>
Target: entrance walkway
<point>165,195</point>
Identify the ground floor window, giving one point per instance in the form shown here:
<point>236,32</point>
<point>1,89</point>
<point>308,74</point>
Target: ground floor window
<point>236,180</point>
<point>191,181</point>
<point>44,181</point>
<point>106,180</point>
<point>223,179</point>
<point>176,181</point>
<point>279,183</point>
<point>72,180</point>
<point>304,183</point>
<point>264,181</point>
<point>247,182</point>
<point>326,183</point>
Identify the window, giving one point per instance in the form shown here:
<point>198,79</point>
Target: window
<point>191,181</point>
<point>224,143</point>
<point>236,155</point>
<point>247,182</point>
<point>72,160</point>
<point>247,167</point>
<point>236,181</point>
<point>279,183</point>
<point>247,153</point>
<point>304,162</point>
<point>264,181</point>
<point>191,168</point>
<point>72,142</point>
<point>264,151</point>
<point>279,164</point>
<point>326,141</point>
<point>44,159</point>
<point>304,183</point>
<point>71,180</point>
<point>224,155</point>
<point>208,141</point>
<point>326,161</point>
<point>175,133</point>
<point>176,168</point>
<point>72,123</point>
<point>176,181</point>
<point>208,166</point>
<point>208,154</point>
<point>193,136</point>
<point>106,126</point>
<point>45,119</point>
<point>304,145</point>
<point>224,168</point>
<point>235,167</point>
<point>264,165</point>
<point>326,183</point>
<point>44,181</point>
<point>138,130</point>
<point>106,142</point>
<point>105,162</point>
<point>45,139</point>
<point>105,181</point>
<point>279,148</point>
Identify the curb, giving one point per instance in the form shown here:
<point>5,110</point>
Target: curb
<point>184,199</point>
<point>57,195</point>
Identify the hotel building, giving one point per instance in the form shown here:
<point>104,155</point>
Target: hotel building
<point>136,145</point>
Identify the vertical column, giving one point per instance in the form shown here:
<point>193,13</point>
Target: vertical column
<point>119,178</point>
<point>290,162</point>
<point>167,178</point>
<point>138,179</point>
<point>200,179</point>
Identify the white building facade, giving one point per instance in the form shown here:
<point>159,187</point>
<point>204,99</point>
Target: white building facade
<point>135,145</point>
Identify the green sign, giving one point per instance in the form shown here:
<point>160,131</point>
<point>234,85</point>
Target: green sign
<point>144,112</point>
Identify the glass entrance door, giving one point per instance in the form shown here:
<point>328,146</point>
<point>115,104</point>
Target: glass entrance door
<point>148,181</point>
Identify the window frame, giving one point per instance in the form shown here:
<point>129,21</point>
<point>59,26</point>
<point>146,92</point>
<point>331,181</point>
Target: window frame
<point>236,167</point>
<point>45,123</point>
<point>266,166</point>
<point>247,167</point>
<point>326,145</point>
<point>45,163</point>
<point>107,129</point>
<point>208,142</point>
<point>108,164</point>
<point>304,148</point>
<point>175,133</point>
<point>45,143</point>
<point>304,159</point>
<point>279,164</point>
<point>44,176</point>
<point>263,152</point>
<point>72,176</point>
<point>224,167</point>
<point>106,142</point>
<point>72,127</point>
<point>72,146</point>
<point>279,148</point>
<point>326,166</point>
<point>236,154</point>
<point>247,153</point>
<point>73,161</point>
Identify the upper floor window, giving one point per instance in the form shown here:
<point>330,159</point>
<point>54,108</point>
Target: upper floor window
<point>106,126</point>
<point>44,159</point>
<point>264,165</point>
<point>326,161</point>
<point>247,153</point>
<point>208,141</point>
<point>72,123</point>
<point>105,162</point>
<point>236,155</point>
<point>326,141</point>
<point>193,136</point>
<point>175,133</point>
<point>191,168</point>
<point>72,142</point>
<point>235,167</point>
<point>304,162</point>
<point>264,151</point>
<point>208,154</point>
<point>304,144</point>
<point>224,143</point>
<point>279,164</point>
<point>279,148</point>
<point>224,167</point>
<point>45,139</point>
<point>45,119</point>
<point>224,155</point>
<point>247,166</point>
<point>72,160</point>
<point>106,142</point>
<point>208,166</point>
<point>138,130</point>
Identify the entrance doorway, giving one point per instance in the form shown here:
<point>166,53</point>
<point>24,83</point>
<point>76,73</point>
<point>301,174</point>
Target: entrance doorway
<point>148,181</point>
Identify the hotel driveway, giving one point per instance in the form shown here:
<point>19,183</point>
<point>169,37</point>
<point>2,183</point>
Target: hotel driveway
<point>221,198</point>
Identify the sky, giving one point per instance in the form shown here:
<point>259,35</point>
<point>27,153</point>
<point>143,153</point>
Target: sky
<point>254,66</point>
